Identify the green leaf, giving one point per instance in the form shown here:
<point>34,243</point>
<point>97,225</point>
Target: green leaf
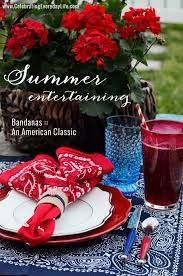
<point>53,19</point>
<point>115,7</point>
<point>136,92</point>
<point>137,96</point>
<point>121,63</point>
<point>134,76</point>
<point>93,108</point>
<point>139,51</point>
<point>133,79</point>
<point>124,45</point>
<point>143,60</point>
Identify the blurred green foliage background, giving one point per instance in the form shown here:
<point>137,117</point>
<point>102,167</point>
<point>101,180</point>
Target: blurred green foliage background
<point>168,82</point>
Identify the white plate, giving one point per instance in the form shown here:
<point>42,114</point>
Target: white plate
<point>87,213</point>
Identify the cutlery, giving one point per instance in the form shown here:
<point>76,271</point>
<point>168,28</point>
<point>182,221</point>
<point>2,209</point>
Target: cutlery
<point>132,225</point>
<point>149,225</point>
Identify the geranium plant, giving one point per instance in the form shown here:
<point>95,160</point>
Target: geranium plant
<point>96,39</point>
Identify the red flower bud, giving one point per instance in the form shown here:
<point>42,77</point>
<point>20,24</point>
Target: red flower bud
<point>100,63</point>
<point>2,14</point>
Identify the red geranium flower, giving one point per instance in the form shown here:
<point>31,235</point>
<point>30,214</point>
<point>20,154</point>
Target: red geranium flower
<point>38,29</point>
<point>127,32</point>
<point>14,47</point>
<point>92,17</point>
<point>104,25</point>
<point>71,21</point>
<point>95,45</point>
<point>140,20</point>
<point>26,35</point>
<point>92,10</point>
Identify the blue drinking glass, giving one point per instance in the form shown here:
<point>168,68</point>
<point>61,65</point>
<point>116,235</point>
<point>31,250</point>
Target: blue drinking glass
<point>124,150</point>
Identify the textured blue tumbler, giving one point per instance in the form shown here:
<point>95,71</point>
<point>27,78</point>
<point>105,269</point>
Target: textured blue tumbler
<point>124,150</point>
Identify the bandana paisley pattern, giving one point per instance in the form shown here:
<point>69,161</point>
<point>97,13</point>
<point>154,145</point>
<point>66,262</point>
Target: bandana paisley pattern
<point>75,174</point>
<point>30,178</point>
<point>164,257</point>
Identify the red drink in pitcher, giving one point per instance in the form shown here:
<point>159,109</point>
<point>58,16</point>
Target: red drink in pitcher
<point>163,163</point>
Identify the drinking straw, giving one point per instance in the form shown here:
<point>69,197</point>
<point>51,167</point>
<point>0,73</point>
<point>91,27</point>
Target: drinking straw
<point>141,116</point>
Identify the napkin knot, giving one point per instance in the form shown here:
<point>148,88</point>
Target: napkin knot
<point>56,197</point>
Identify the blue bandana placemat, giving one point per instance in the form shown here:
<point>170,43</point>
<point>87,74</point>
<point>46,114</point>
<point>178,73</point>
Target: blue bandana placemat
<point>165,257</point>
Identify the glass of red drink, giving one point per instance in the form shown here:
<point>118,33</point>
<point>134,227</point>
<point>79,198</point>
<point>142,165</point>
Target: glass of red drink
<point>162,146</point>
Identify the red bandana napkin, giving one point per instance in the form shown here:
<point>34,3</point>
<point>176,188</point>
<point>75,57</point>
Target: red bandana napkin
<point>45,180</point>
